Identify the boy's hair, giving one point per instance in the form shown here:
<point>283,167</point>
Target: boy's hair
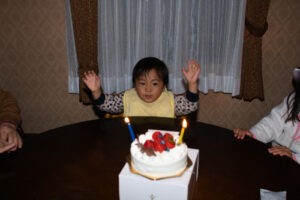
<point>145,65</point>
<point>293,104</point>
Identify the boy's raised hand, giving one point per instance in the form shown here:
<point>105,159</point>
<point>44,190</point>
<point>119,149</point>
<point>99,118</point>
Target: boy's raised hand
<point>92,81</point>
<point>191,74</point>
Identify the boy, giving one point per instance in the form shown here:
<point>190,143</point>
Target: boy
<point>150,96</point>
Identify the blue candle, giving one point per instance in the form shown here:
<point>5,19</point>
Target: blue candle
<point>130,128</point>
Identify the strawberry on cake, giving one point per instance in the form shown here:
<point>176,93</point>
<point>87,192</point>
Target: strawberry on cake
<point>156,154</point>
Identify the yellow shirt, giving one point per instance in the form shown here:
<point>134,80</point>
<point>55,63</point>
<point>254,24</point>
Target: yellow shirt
<point>164,106</point>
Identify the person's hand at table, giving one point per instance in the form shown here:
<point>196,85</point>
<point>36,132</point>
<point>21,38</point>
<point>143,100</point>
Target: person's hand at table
<point>275,150</point>
<point>10,139</point>
<point>5,146</point>
<point>281,151</point>
<point>241,133</point>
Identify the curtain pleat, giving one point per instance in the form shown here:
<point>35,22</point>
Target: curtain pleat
<point>255,27</point>
<point>85,22</point>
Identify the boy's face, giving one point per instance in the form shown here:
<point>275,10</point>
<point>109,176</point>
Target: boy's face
<point>149,87</point>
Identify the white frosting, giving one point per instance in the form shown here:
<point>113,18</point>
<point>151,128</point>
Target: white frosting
<point>166,163</point>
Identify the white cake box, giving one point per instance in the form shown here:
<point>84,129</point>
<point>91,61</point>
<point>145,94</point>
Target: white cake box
<point>135,187</point>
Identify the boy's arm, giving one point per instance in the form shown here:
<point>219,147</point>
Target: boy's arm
<point>111,103</point>
<point>186,103</point>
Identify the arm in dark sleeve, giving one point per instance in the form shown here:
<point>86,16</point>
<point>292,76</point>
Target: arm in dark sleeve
<point>100,100</point>
<point>193,97</point>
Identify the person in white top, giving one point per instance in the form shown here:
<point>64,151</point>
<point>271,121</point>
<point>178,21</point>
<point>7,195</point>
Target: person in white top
<point>281,126</point>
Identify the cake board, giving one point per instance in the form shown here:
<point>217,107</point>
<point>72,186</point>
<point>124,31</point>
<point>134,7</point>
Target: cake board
<point>136,187</point>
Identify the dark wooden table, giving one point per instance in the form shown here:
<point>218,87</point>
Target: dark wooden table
<point>82,161</point>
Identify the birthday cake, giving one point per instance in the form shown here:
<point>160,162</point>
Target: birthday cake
<point>157,154</point>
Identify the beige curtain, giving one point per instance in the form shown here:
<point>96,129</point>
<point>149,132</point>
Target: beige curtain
<point>85,19</point>
<point>84,15</point>
<point>255,27</point>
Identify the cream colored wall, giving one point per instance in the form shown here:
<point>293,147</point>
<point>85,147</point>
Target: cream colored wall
<point>33,66</point>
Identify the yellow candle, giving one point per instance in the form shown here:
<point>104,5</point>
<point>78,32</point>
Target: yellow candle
<point>184,125</point>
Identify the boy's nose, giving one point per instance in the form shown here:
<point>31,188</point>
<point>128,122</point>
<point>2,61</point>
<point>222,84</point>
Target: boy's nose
<point>148,89</point>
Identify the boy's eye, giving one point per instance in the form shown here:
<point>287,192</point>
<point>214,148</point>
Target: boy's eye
<point>142,83</point>
<point>155,83</point>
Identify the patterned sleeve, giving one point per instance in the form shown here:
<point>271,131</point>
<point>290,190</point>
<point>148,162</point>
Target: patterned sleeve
<point>186,103</point>
<point>111,103</point>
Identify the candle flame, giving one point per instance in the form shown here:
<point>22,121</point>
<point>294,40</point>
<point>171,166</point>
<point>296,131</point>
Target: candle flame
<point>127,120</point>
<point>184,123</point>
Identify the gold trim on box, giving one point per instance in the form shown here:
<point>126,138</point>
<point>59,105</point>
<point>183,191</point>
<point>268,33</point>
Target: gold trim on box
<point>135,171</point>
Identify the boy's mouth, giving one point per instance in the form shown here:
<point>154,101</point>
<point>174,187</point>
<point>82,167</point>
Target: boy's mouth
<point>148,96</point>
